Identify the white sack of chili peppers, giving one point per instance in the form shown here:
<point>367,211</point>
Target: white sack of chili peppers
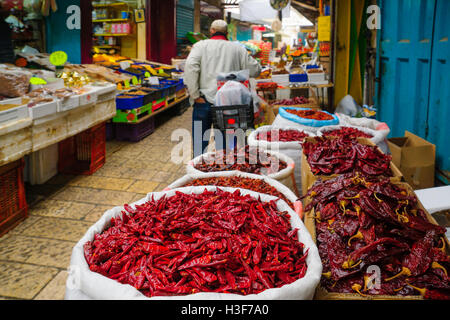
<point>375,136</point>
<point>82,283</point>
<point>285,176</point>
<point>281,188</point>
<point>381,128</point>
<point>292,149</point>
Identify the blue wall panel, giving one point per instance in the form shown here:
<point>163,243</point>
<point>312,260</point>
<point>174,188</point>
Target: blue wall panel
<point>439,102</point>
<point>413,67</point>
<point>59,37</point>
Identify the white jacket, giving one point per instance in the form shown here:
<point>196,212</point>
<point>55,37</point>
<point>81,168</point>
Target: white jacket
<point>210,57</point>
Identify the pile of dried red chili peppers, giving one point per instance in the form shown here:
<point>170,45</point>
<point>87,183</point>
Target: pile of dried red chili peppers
<point>343,155</point>
<point>371,229</point>
<point>215,241</point>
<point>267,86</point>
<point>347,132</point>
<point>310,114</point>
<point>282,135</point>
<point>257,185</point>
<point>250,160</point>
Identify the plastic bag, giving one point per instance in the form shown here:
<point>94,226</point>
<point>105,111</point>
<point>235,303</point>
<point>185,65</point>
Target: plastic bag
<point>233,93</point>
<point>82,283</point>
<point>242,75</point>
<point>348,106</point>
<point>15,82</point>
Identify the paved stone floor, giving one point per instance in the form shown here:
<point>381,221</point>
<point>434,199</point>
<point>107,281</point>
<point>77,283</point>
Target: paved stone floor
<point>35,255</point>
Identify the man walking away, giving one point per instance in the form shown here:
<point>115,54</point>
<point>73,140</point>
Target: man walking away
<point>206,60</point>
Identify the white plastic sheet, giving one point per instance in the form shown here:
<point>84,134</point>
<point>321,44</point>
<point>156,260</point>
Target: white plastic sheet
<point>233,93</point>
<point>257,10</point>
<point>82,283</point>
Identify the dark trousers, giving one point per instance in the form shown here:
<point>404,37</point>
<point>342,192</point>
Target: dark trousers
<point>201,126</point>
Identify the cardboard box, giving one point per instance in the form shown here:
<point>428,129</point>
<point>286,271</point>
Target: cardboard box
<point>415,157</point>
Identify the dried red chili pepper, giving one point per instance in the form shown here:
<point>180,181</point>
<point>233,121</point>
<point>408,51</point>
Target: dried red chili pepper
<point>256,185</point>
<point>248,160</point>
<point>344,155</point>
<point>281,135</point>
<point>346,132</point>
<point>363,221</point>
<point>310,114</point>
<point>143,247</point>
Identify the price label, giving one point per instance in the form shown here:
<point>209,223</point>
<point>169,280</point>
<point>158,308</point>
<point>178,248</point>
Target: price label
<point>127,84</point>
<point>58,58</point>
<point>36,81</point>
<point>324,28</point>
<point>147,74</point>
<point>124,65</point>
<point>135,81</point>
<point>154,81</point>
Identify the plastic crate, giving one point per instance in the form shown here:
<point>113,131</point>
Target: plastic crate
<point>132,115</point>
<point>164,89</point>
<point>109,130</point>
<point>146,98</point>
<point>134,132</point>
<point>172,86</point>
<point>129,103</point>
<point>301,77</point>
<point>161,103</point>
<point>13,204</point>
<point>233,117</point>
<point>180,85</point>
<point>183,106</point>
<point>84,153</point>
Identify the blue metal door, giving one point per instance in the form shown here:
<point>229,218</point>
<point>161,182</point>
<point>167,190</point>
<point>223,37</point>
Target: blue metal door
<point>439,101</point>
<point>413,70</point>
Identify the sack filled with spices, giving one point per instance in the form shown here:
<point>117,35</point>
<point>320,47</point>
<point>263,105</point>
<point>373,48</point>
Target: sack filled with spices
<point>309,117</point>
<point>287,140</point>
<point>353,131</point>
<point>191,243</point>
<point>381,128</point>
<point>281,122</point>
<point>242,180</point>
<point>248,159</point>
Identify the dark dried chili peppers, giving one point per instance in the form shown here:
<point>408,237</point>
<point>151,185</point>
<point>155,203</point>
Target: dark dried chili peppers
<point>250,160</point>
<point>347,132</point>
<point>310,114</point>
<point>363,222</point>
<point>343,155</point>
<point>231,243</point>
<point>281,135</point>
<point>291,102</point>
<point>257,185</point>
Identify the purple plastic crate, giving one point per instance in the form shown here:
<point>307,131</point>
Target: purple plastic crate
<point>134,132</point>
<point>109,131</point>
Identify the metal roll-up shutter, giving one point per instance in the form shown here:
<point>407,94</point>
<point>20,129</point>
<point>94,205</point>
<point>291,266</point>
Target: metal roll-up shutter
<point>185,22</point>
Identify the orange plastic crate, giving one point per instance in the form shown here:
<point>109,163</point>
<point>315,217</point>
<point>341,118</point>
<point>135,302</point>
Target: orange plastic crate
<point>13,204</point>
<point>84,153</point>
